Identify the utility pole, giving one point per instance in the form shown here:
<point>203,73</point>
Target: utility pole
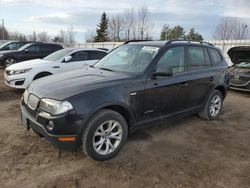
<point>3,28</point>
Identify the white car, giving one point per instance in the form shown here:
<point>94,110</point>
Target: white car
<point>20,75</point>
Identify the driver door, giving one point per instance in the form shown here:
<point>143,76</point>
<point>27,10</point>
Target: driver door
<point>166,95</point>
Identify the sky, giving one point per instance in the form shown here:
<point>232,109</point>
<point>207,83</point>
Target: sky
<point>51,16</point>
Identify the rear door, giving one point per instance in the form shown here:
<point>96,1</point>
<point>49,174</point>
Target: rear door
<point>201,74</point>
<point>167,95</point>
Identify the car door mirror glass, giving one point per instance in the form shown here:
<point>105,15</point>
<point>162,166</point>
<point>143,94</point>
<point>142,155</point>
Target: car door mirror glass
<point>67,58</point>
<point>163,71</point>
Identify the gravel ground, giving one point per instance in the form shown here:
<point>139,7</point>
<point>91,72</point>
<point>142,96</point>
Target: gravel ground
<point>186,153</point>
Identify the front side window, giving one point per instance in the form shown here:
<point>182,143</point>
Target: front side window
<point>173,58</point>
<point>128,58</point>
<point>11,46</point>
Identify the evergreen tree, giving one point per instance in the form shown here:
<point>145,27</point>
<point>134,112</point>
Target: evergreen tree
<point>192,35</point>
<point>102,29</point>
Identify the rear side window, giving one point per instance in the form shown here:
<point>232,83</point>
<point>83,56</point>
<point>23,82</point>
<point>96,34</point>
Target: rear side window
<point>215,56</point>
<point>198,58</point>
<point>96,55</point>
<point>79,56</point>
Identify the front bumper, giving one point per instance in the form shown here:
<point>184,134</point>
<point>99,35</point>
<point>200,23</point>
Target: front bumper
<point>30,122</point>
<point>15,81</point>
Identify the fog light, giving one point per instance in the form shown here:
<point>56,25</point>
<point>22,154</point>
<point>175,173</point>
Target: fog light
<point>50,125</point>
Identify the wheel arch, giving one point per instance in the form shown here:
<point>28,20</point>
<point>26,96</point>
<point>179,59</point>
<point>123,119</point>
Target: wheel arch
<point>45,73</point>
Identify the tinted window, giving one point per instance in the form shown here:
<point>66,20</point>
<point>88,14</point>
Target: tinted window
<point>96,55</point>
<point>11,46</point>
<point>174,58</point>
<point>34,48</point>
<point>197,58</point>
<point>215,56</point>
<point>79,56</point>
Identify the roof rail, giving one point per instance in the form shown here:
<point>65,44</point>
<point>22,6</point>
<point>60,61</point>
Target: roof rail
<point>135,41</point>
<point>188,41</point>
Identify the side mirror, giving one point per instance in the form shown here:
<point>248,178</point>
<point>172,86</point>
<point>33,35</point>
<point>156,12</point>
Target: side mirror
<point>7,48</point>
<point>67,58</point>
<point>163,71</point>
<point>26,50</point>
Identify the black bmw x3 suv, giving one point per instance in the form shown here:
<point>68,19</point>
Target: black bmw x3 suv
<point>136,83</point>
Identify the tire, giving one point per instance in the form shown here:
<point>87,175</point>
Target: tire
<point>9,61</point>
<point>97,144</point>
<point>213,106</point>
<point>42,74</point>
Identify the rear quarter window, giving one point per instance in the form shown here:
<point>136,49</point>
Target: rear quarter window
<point>215,56</point>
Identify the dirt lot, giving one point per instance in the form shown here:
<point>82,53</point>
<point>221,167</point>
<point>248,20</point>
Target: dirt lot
<point>187,153</point>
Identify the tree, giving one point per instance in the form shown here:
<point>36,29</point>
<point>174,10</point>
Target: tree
<point>177,32</point>
<point>144,23</point>
<point>89,35</point>
<point>116,25</point>
<point>129,23</point>
<point>192,35</point>
<point>165,32</point>
<point>43,37</point>
<point>102,29</point>
<point>231,28</point>
<point>4,34</point>
<point>71,34</point>
<point>34,36</point>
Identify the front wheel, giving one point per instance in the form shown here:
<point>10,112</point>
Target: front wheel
<point>213,106</point>
<point>9,61</point>
<point>104,135</point>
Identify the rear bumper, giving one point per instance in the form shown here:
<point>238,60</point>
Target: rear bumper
<point>30,123</point>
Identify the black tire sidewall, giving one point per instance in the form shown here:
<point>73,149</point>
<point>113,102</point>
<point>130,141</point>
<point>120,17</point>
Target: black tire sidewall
<point>216,92</point>
<point>4,62</point>
<point>96,121</point>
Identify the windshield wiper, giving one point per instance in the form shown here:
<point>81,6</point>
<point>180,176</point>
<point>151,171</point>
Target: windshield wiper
<point>107,69</point>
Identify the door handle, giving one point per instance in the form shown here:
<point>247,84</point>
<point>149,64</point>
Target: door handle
<point>56,67</point>
<point>211,78</point>
<point>184,84</point>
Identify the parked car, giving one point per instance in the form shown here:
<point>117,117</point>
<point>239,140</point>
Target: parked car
<point>27,52</point>
<point>240,71</point>
<point>12,45</point>
<point>20,75</point>
<point>137,83</point>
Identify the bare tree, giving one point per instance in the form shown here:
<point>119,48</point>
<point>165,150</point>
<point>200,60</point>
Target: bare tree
<point>71,34</point>
<point>144,23</point>
<point>63,36</point>
<point>116,25</point>
<point>34,36</point>
<point>89,35</point>
<point>231,28</point>
<point>43,37</point>
<point>129,23</point>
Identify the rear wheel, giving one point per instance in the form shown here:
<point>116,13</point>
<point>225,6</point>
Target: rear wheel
<point>105,135</point>
<point>8,61</point>
<point>213,106</point>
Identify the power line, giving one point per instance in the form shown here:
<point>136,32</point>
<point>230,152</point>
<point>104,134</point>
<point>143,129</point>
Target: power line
<point>3,28</point>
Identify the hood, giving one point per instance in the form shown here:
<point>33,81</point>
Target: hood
<point>65,85</point>
<point>29,64</point>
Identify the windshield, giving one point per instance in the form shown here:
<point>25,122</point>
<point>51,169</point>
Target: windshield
<point>58,55</point>
<point>24,47</point>
<point>243,65</point>
<point>5,44</point>
<point>128,58</point>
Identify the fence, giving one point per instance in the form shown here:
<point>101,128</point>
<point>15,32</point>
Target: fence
<point>224,45</point>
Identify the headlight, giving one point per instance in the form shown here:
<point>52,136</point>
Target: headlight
<point>55,107</point>
<point>21,71</point>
